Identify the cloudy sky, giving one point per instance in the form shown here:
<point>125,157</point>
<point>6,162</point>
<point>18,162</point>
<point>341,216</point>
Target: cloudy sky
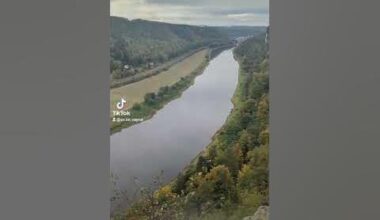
<point>197,12</point>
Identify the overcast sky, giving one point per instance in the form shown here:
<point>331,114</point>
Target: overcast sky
<point>197,12</point>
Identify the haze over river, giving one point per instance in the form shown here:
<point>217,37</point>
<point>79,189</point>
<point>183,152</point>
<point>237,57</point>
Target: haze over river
<point>178,132</point>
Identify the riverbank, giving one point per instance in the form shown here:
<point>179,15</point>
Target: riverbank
<point>155,101</point>
<point>135,93</point>
<point>148,103</point>
<point>229,179</point>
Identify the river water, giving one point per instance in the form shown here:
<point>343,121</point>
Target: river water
<point>177,133</point>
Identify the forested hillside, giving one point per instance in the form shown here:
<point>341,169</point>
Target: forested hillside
<point>229,180</point>
<point>242,31</point>
<point>140,42</point>
<point>139,45</point>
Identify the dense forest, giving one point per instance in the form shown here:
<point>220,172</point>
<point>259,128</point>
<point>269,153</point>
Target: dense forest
<point>229,179</point>
<point>140,42</point>
<point>138,45</point>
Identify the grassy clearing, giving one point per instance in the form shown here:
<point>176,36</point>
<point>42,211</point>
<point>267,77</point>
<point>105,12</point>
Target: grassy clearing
<point>135,92</point>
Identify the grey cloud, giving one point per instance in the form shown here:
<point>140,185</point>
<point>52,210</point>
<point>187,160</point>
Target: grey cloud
<point>239,11</point>
<point>199,12</point>
<point>248,3</point>
<point>175,2</point>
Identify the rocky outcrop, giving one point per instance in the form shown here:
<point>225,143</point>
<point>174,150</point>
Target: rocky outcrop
<point>262,213</point>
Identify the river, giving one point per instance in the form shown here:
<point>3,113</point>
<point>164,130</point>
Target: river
<point>178,132</point>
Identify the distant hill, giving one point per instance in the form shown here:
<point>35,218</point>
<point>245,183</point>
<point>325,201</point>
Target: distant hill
<point>242,31</point>
<point>136,42</point>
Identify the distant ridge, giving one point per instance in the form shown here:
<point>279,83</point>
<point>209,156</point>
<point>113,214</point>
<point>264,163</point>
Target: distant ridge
<point>138,42</point>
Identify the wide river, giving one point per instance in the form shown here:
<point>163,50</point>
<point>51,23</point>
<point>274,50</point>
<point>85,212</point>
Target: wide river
<point>179,131</point>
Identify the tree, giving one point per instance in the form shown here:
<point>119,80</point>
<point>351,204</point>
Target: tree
<point>245,142</point>
<point>203,164</point>
<point>150,98</point>
<point>263,112</point>
<point>215,190</point>
<point>230,158</point>
<point>180,183</point>
<point>264,137</point>
<point>222,185</point>
<point>212,153</point>
<point>259,164</point>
